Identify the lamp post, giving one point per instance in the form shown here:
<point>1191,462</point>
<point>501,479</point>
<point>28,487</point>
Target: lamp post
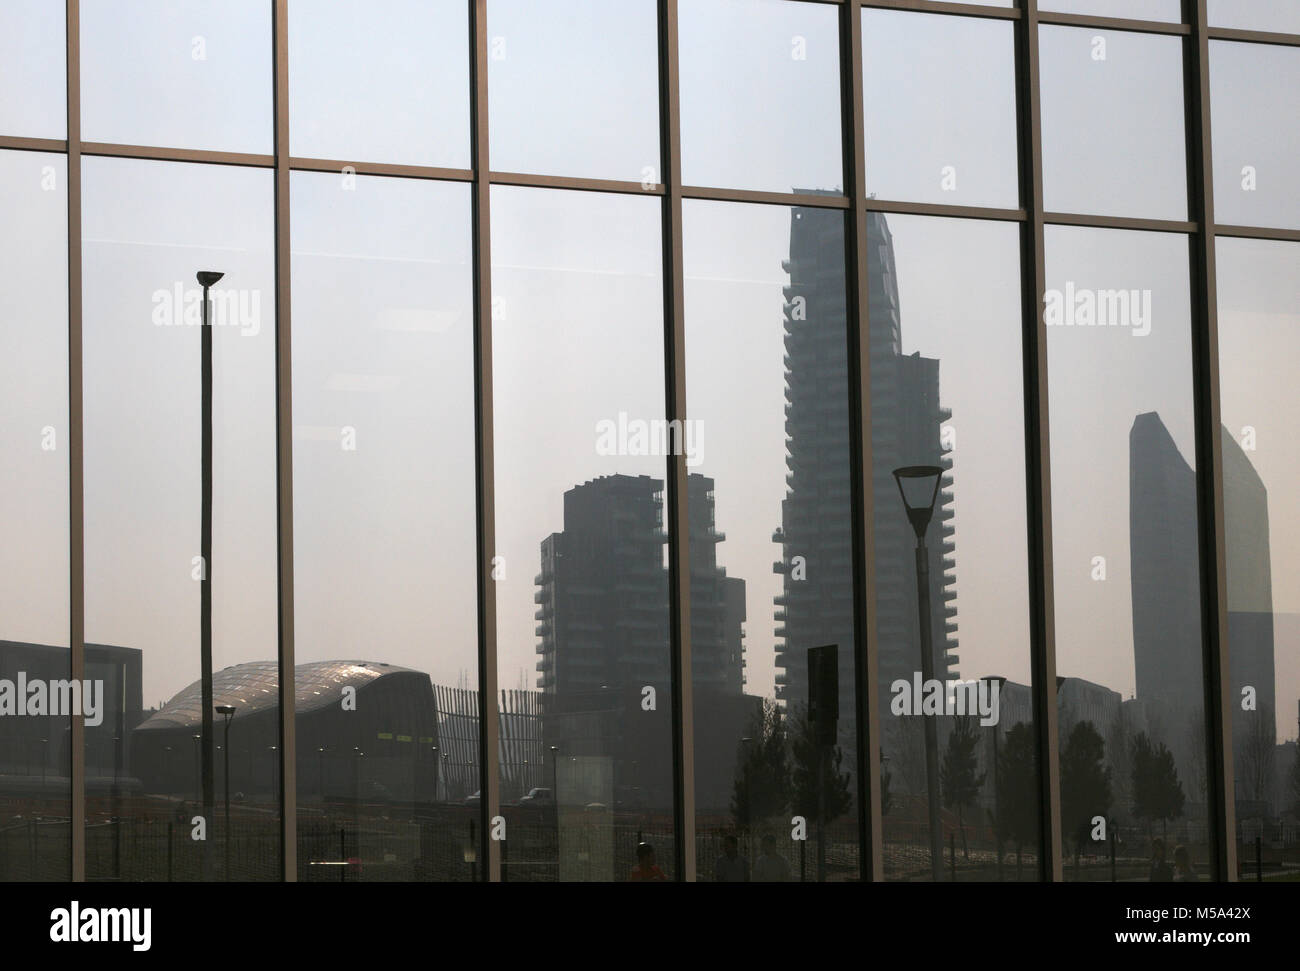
<point>997,797</point>
<point>227,712</point>
<point>206,279</point>
<point>914,481</point>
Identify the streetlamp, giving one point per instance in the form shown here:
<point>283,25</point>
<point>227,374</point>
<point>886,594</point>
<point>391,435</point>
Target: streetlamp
<point>206,279</point>
<point>914,482</point>
<point>997,797</point>
<point>227,712</point>
<point>198,774</point>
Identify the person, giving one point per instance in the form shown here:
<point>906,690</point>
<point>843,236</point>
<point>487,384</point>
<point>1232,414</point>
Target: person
<point>1160,872</point>
<point>1183,871</point>
<point>770,867</point>
<point>646,870</point>
<point>731,866</point>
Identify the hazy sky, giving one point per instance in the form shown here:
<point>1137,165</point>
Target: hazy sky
<point>381,277</point>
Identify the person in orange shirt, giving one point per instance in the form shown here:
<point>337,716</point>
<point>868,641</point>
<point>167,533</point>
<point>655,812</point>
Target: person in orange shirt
<point>646,868</point>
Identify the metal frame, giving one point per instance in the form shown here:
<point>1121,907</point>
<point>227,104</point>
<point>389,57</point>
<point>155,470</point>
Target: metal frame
<point>1038,476</point>
<point>1209,448</point>
<point>1200,229</point>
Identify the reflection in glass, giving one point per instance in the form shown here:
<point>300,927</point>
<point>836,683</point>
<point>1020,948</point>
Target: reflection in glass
<point>771,557</point>
<point>940,102</point>
<point>760,94</point>
<point>148,229</point>
<point>35,750</point>
<point>592,113</point>
<point>947,439</point>
<point>1112,107</point>
<point>582,586</point>
<point>384,590</point>
<point>33,46</point>
<point>177,73</point>
<point>1167,10</point>
<point>1255,104</point>
<point>1128,635</point>
<point>1259,343</point>
<point>1277,15</point>
<point>380,81</point>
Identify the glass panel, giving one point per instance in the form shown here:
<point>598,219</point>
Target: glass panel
<point>1255,104</point>
<point>596,115</point>
<point>760,95</point>
<point>36,750</point>
<point>33,46</point>
<point>380,81</point>
<point>1112,105</point>
<point>1168,10</point>
<point>198,73</point>
<point>149,228</point>
<point>386,617</point>
<point>940,96</point>
<point>947,402</point>
<point>1259,338</point>
<point>771,556</point>
<point>1125,547</point>
<point>582,585</point>
<point>1279,15</point>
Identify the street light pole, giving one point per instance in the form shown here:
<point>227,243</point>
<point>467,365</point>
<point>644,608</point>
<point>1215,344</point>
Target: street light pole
<point>997,795</point>
<point>206,279</point>
<point>227,712</point>
<point>919,516</point>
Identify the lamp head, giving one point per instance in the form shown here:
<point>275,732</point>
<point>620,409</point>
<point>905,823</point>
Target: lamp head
<point>225,710</point>
<point>209,277</point>
<point>919,487</point>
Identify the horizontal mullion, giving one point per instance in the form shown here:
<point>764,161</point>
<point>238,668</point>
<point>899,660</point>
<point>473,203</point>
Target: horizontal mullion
<point>381,168</point>
<point>1119,222</point>
<point>810,200</point>
<point>571,182</point>
<point>1112,23</point>
<point>1256,232</point>
<point>160,154</point>
<point>941,6</point>
<point>19,144</point>
<point>945,209</point>
<point>1254,36</point>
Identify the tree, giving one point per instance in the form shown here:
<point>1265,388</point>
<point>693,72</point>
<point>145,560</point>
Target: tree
<point>1085,784</point>
<point>1017,818</point>
<point>886,799</point>
<point>805,753</point>
<point>1157,793</point>
<point>1119,752</point>
<point>1293,781</point>
<point>1256,750</point>
<point>958,780</point>
<point>762,785</point>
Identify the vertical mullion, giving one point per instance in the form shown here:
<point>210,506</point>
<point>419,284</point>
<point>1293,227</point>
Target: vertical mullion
<point>1038,494</point>
<point>76,484</point>
<point>1209,446</point>
<point>484,482</point>
<point>866,647</point>
<point>284,449</point>
<point>679,584</point>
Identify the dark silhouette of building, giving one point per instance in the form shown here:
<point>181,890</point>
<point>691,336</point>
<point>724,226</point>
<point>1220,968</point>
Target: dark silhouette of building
<point>1250,585</point>
<point>602,597</point>
<point>35,750</point>
<point>816,603</point>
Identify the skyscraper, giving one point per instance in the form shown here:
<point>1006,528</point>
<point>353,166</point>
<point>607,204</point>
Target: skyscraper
<point>816,606</point>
